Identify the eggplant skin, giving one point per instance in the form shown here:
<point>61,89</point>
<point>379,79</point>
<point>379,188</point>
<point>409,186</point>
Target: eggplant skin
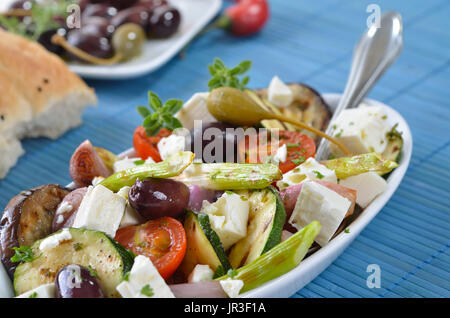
<point>27,218</point>
<point>308,106</point>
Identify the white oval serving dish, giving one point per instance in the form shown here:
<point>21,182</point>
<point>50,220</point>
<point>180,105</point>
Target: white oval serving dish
<point>291,282</point>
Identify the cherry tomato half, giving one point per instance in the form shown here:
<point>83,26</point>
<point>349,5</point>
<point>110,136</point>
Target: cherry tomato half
<point>299,148</point>
<point>146,146</point>
<point>162,240</point>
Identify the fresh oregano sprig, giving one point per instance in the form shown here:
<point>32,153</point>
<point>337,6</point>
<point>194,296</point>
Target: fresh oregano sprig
<point>225,77</point>
<point>159,115</point>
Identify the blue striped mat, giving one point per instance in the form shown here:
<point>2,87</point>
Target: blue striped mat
<point>312,42</point>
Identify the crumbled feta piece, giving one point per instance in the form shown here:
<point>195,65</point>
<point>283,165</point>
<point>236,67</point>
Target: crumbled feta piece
<point>361,130</point>
<point>64,207</point>
<point>144,281</point>
<point>54,240</point>
<point>201,273</point>
<point>317,202</point>
<point>101,210</point>
<point>367,185</point>
<point>279,93</point>
<point>130,217</point>
<point>228,217</point>
<point>309,170</point>
<point>232,287</point>
<point>170,145</point>
<point>43,291</point>
<point>281,154</point>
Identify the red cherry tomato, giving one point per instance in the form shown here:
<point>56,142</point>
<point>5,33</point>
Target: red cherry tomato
<point>299,148</point>
<point>162,240</point>
<point>146,146</point>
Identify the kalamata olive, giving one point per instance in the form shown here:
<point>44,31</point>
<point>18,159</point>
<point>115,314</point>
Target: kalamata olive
<point>122,4</point>
<point>98,25</point>
<point>128,39</point>
<point>95,44</point>
<point>151,4</point>
<point>136,15</point>
<point>22,4</point>
<point>155,198</point>
<point>45,39</point>
<point>164,22</point>
<point>75,281</point>
<point>99,10</point>
<point>215,133</point>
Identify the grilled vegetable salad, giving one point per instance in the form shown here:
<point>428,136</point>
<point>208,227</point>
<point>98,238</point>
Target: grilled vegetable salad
<point>192,211</point>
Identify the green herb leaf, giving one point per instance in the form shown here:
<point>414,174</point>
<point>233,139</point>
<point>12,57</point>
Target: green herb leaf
<point>147,291</point>
<point>160,115</point>
<point>139,162</point>
<point>318,174</point>
<point>224,77</point>
<point>77,246</point>
<point>23,254</point>
<point>92,271</point>
<point>33,295</point>
<point>126,277</point>
<point>232,273</point>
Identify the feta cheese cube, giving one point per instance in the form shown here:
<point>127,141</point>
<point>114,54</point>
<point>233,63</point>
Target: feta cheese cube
<point>201,273</point>
<point>127,163</point>
<point>309,170</point>
<point>361,130</point>
<point>279,93</point>
<point>281,154</point>
<point>144,281</point>
<point>54,240</point>
<point>317,202</point>
<point>228,217</point>
<point>170,145</point>
<point>232,287</point>
<point>130,217</point>
<point>43,291</point>
<point>195,108</point>
<point>367,185</point>
<point>101,210</point>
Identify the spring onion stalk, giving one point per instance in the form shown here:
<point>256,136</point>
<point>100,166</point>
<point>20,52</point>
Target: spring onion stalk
<point>277,261</point>
<point>171,167</point>
<point>230,176</point>
<point>350,166</point>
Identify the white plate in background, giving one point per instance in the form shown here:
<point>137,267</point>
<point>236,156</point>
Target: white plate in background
<point>195,14</point>
<point>291,282</point>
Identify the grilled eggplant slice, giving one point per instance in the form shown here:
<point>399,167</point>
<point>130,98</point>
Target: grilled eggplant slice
<point>308,106</point>
<point>27,218</point>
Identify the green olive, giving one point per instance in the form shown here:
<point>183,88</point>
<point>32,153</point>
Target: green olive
<point>233,106</point>
<point>128,39</point>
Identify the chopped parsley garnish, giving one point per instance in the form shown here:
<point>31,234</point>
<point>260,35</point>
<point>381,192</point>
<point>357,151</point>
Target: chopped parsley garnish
<point>298,161</point>
<point>92,271</point>
<point>394,133</point>
<point>232,273</point>
<point>351,123</point>
<point>318,174</point>
<point>23,254</point>
<point>33,295</point>
<point>291,145</point>
<point>162,115</point>
<point>347,231</point>
<point>139,162</point>
<point>77,246</point>
<point>229,192</point>
<point>339,133</point>
<point>147,291</point>
<point>225,77</point>
<point>126,277</point>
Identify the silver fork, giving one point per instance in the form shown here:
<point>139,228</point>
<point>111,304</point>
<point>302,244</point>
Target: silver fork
<point>375,51</point>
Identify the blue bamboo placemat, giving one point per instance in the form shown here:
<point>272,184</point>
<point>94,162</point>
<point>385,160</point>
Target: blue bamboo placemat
<point>312,42</point>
